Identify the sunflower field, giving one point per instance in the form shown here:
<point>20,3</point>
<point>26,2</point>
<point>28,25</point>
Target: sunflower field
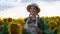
<point>15,26</point>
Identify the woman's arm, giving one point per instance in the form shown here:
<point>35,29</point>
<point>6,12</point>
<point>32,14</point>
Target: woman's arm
<point>38,30</point>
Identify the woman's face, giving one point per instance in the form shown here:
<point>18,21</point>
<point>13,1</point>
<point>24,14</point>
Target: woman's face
<point>33,10</point>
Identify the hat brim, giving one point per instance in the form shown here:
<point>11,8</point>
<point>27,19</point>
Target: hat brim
<point>29,6</point>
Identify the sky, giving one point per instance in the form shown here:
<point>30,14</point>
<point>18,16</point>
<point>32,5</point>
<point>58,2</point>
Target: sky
<point>17,8</point>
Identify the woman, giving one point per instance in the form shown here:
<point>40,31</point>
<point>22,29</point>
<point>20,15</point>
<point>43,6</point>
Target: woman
<point>34,24</point>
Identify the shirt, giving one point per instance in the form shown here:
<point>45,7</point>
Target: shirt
<point>42,27</point>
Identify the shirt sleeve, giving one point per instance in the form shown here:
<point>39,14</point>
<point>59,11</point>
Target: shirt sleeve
<point>41,24</point>
<point>56,31</point>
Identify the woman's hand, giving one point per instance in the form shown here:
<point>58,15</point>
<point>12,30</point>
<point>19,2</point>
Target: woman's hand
<point>32,25</point>
<point>37,29</point>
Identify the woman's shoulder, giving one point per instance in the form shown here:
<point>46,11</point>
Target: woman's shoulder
<point>41,20</point>
<point>25,19</point>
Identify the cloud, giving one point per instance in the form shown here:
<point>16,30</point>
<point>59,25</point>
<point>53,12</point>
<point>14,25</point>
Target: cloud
<point>47,9</point>
<point>2,7</point>
<point>6,4</point>
<point>15,12</point>
<point>50,9</point>
<point>25,1</point>
<point>50,0</point>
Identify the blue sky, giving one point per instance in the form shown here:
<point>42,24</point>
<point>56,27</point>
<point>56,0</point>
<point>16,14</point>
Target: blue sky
<point>11,8</point>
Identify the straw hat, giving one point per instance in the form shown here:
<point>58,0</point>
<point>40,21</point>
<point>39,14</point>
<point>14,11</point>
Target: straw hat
<point>34,5</point>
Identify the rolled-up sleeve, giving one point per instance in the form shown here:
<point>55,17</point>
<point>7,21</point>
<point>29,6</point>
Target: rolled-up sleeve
<point>41,24</point>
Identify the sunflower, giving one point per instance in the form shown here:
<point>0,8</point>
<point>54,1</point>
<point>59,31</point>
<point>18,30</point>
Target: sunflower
<point>21,21</point>
<point>53,25</point>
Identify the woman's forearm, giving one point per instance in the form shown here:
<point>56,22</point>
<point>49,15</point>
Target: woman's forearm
<point>38,30</point>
